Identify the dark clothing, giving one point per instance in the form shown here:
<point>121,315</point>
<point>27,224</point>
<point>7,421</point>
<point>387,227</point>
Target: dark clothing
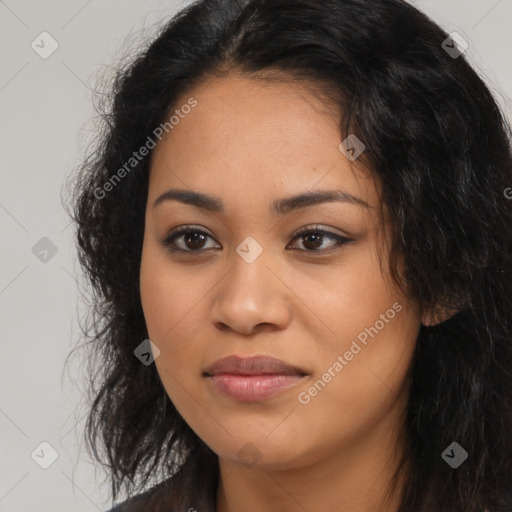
<point>186,491</point>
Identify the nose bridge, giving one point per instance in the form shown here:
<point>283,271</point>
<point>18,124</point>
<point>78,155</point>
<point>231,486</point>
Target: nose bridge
<point>250,294</point>
<point>249,277</point>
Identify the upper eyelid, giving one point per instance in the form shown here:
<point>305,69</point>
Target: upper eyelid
<point>186,228</point>
<point>180,230</point>
<point>326,230</point>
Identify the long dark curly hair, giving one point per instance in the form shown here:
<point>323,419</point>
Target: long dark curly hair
<point>440,148</point>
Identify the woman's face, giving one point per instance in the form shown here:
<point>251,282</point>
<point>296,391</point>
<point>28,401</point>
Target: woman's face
<point>242,283</point>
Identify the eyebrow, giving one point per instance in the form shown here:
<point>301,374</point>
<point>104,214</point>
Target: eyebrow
<point>278,207</point>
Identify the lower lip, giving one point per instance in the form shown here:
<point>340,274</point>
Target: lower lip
<point>250,388</point>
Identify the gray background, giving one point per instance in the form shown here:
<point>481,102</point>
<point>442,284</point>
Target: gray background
<point>46,112</point>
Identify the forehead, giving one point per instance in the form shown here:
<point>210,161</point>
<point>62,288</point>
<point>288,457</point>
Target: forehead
<point>257,140</point>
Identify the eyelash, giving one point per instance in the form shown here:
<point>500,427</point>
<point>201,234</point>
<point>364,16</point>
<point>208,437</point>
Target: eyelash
<point>182,230</point>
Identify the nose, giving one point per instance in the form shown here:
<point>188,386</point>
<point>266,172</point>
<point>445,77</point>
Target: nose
<point>251,298</point>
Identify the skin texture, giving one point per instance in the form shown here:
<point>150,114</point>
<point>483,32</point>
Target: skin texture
<point>249,143</point>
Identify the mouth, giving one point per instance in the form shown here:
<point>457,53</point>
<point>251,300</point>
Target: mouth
<point>253,378</point>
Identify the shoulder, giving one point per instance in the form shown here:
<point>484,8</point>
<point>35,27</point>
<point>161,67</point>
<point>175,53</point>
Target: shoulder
<point>185,491</point>
<point>152,499</point>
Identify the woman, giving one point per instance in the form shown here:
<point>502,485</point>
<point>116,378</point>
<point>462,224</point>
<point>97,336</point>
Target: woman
<point>299,239</point>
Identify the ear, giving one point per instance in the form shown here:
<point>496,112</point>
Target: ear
<point>435,316</point>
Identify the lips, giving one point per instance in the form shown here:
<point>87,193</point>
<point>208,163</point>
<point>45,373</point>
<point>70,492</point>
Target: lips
<point>255,365</point>
<point>252,379</point>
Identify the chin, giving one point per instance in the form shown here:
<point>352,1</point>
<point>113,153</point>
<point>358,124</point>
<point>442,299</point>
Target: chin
<point>261,453</point>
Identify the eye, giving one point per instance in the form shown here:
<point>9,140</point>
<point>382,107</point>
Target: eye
<point>192,238</point>
<point>313,238</point>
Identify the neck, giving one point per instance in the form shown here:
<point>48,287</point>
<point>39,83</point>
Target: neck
<point>355,478</point>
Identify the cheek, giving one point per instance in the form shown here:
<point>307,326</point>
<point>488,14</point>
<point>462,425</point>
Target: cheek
<point>174,312</point>
<point>167,304</point>
<point>355,393</point>
<point>166,295</point>
<point>374,328</point>
<point>352,296</point>
<point>156,298</point>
